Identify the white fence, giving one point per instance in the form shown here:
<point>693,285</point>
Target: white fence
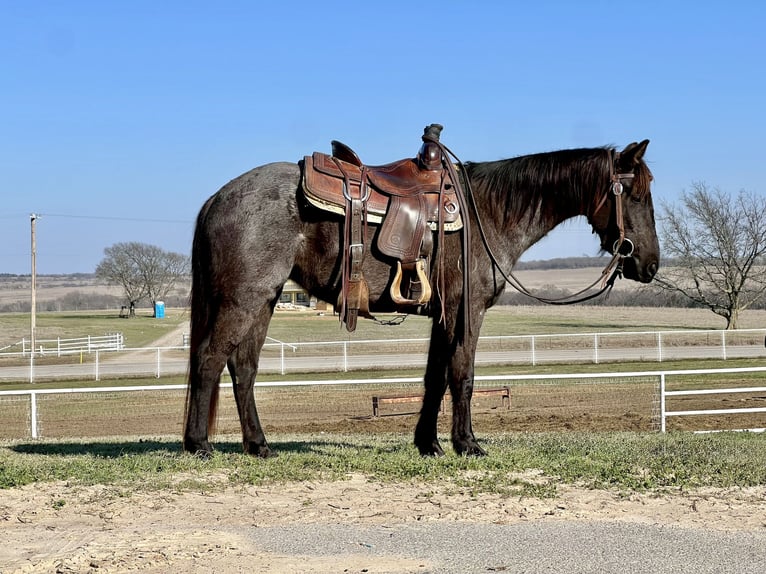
<point>59,347</point>
<point>664,394</point>
<point>277,357</point>
<point>555,348</point>
<point>659,378</point>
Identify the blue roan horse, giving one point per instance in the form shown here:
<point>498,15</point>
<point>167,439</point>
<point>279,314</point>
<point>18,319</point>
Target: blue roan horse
<point>259,230</point>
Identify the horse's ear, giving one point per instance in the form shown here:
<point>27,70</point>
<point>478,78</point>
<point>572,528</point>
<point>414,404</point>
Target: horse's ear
<point>633,153</point>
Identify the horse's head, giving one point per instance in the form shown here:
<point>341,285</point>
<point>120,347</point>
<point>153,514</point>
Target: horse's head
<point>624,217</point>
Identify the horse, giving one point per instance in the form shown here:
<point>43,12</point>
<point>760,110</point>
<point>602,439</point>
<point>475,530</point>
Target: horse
<point>259,230</point>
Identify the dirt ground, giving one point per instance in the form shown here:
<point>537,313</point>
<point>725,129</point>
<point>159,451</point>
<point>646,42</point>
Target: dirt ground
<point>62,528</point>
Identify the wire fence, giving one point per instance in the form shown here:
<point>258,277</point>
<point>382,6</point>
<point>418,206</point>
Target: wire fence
<point>636,401</point>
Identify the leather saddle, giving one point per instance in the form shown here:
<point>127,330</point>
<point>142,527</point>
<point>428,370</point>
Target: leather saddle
<point>408,200</point>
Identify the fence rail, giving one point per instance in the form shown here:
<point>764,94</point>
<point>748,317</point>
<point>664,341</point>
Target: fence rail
<point>59,347</point>
<point>665,394</point>
<point>102,361</point>
<point>320,389</point>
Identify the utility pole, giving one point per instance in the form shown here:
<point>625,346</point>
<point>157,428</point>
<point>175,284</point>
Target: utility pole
<point>33,320</point>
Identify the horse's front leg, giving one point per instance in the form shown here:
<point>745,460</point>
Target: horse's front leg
<point>461,373</point>
<point>435,380</point>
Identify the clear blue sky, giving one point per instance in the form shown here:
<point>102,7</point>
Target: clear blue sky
<point>118,119</point>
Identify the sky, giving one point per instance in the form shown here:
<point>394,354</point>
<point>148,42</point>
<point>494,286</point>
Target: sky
<point>119,119</point>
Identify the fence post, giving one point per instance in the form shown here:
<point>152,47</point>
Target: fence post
<point>282,358</point>
<point>33,414</point>
<point>662,402</point>
<point>158,362</point>
<point>659,346</point>
<point>31,367</point>
<point>345,356</point>
<point>723,343</point>
<point>97,364</point>
<point>58,346</point>
<point>595,348</point>
<point>534,356</point>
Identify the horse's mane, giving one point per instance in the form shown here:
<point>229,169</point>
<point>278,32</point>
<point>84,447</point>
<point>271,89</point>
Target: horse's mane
<point>578,177</point>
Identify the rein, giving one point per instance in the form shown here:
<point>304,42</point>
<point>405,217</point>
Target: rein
<point>609,274</point>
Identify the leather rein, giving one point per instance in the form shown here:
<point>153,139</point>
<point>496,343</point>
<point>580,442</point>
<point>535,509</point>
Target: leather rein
<point>608,275</point>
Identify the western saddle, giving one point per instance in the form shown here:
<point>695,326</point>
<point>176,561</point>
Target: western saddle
<point>409,200</point>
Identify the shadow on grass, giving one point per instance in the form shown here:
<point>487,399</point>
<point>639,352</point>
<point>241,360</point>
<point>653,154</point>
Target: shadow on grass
<point>115,449</point>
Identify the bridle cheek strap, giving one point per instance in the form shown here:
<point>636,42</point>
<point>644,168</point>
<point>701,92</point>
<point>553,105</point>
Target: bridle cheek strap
<point>617,189</point>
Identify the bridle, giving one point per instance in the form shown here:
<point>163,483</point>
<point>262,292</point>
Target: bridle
<point>613,268</point>
<point>616,188</point>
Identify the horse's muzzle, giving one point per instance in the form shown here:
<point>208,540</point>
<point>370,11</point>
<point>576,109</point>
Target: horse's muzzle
<point>637,271</point>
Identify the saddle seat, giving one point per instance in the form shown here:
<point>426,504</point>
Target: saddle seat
<point>409,199</point>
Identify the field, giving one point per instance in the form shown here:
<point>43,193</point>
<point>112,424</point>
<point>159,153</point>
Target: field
<point>133,501</point>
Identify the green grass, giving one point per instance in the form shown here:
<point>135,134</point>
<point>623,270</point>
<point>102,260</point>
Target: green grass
<point>310,326</point>
<point>138,331</point>
<point>623,461</point>
<point>505,320</point>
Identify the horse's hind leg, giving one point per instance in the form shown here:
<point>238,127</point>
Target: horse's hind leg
<point>206,362</point>
<point>243,367</point>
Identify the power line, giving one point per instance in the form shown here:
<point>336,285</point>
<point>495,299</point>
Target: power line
<point>114,218</point>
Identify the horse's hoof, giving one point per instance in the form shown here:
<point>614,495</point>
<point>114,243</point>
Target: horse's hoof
<point>202,450</point>
<point>260,450</point>
<point>433,449</point>
<point>470,449</point>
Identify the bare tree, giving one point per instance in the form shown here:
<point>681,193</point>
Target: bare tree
<point>143,271</point>
<point>119,267</point>
<point>161,270</point>
<point>717,244</point>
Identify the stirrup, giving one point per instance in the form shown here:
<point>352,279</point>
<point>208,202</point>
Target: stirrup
<point>396,285</point>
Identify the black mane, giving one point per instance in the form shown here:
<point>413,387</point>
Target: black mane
<point>577,177</point>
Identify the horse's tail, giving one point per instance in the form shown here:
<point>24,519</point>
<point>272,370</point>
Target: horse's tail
<point>200,302</point>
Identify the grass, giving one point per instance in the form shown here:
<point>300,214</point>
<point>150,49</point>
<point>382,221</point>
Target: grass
<point>623,461</point>
<point>139,331</point>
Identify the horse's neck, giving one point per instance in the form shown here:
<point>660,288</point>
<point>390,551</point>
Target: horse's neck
<point>531,213</point>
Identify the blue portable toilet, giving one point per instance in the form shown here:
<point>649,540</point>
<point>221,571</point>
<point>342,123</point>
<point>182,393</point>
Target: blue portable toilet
<point>159,309</point>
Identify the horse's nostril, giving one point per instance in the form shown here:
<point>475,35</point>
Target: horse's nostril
<point>652,269</point>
